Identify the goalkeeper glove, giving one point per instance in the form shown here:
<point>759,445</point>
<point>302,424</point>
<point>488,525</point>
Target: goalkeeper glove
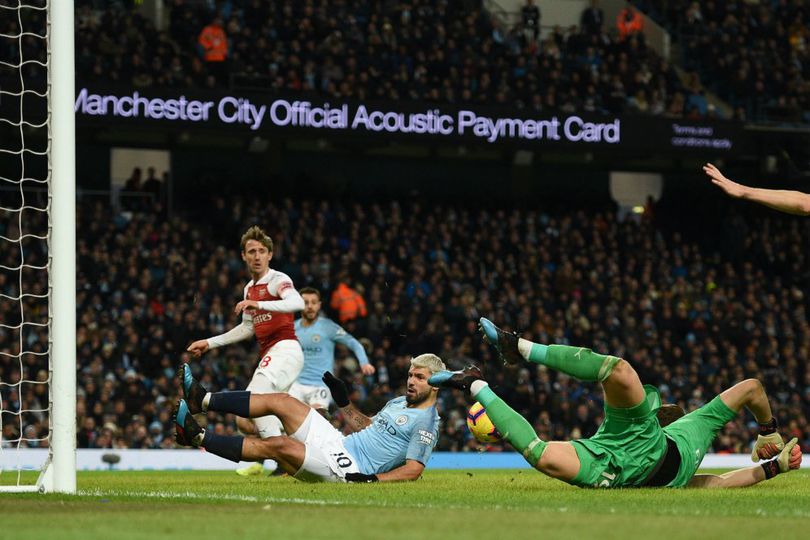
<point>789,458</point>
<point>356,477</point>
<point>768,434</point>
<point>339,391</point>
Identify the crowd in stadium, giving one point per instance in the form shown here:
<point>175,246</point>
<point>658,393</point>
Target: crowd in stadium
<point>692,320</point>
<point>754,55</point>
<point>430,51</point>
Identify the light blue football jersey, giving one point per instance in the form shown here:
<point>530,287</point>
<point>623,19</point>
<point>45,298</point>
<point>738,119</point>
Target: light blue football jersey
<point>396,433</point>
<point>318,341</point>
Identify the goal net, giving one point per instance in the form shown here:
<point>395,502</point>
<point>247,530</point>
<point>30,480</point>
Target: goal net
<point>37,244</point>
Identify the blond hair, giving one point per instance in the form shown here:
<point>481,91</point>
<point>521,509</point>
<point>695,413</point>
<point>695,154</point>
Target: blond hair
<point>256,233</point>
<point>429,361</point>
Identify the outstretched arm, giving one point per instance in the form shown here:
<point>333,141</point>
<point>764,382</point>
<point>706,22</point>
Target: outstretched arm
<point>790,458</point>
<point>790,202</point>
<point>237,333</point>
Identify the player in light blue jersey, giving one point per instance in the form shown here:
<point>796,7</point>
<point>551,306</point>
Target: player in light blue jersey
<point>318,337</point>
<point>395,444</point>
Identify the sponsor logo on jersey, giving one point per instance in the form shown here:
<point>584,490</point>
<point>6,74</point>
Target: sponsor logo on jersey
<point>426,437</point>
<point>402,420</point>
<point>262,293</point>
<point>262,317</point>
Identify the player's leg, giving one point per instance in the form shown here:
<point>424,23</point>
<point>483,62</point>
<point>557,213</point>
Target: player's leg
<point>623,389</point>
<point>243,404</point>
<point>558,460</point>
<point>288,453</point>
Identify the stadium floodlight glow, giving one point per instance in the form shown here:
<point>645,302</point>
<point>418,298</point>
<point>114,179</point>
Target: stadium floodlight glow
<point>58,473</point>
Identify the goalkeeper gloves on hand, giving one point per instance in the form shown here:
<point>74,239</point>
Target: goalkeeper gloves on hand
<point>356,477</point>
<point>339,391</point>
<point>769,441</point>
<point>790,457</point>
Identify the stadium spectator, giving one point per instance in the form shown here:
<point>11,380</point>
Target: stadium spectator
<point>347,301</point>
<point>530,14</point>
<point>629,21</point>
<point>214,48</point>
<point>592,19</point>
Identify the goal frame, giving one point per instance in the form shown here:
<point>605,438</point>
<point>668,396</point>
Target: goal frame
<point>58,473</point>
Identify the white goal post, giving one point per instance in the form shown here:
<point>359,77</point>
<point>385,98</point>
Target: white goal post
<point>58,473</point>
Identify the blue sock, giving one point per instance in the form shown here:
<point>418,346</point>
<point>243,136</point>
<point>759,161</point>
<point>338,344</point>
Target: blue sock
<point>223,446</point>
<point>237,403</point>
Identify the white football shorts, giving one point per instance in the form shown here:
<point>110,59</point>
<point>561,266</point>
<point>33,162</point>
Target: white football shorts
<point>326,459</point>
<point>317,397</point>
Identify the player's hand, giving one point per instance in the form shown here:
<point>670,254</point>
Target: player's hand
<point>367,369</point>
<point>767,446</point>
<point>338,388</point>
<point>732,188</point>
<point>245,304</point>
<point>356,477</point>
<point>790,458</point>
<point>198,348</point>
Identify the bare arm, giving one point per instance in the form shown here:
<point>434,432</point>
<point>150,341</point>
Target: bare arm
<point>790,202</point>
<point>410,471</point>
<point>356,420</point>
<point>733,479</point>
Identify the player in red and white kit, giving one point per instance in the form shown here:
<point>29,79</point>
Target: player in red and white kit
<point>267,309</point>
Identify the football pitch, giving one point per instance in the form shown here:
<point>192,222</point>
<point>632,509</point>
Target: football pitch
<point>444,504</point>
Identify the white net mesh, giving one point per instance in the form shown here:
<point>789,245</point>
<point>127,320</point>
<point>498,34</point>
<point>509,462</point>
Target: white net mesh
<point>24,240</point>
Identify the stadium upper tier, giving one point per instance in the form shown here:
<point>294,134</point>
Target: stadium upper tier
<point>427,51</point>
<point>754,55</point>
<point>693,316</point>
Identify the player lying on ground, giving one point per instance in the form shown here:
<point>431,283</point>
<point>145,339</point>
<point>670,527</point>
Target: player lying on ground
<point>784,200</point>
<point>630,449</point>
<point>393,445</point>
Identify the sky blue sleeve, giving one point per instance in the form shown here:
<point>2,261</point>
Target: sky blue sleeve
<point>424,437</point>
<point>344,338</point>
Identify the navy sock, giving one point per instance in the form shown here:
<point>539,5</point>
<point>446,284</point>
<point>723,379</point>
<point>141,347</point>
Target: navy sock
<point>237,403</point>
<point>224,446</point>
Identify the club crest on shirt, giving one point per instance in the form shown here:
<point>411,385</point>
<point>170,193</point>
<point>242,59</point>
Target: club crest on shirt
<point>401,421</point>
<point>316,338</point>
<point>262,293</point>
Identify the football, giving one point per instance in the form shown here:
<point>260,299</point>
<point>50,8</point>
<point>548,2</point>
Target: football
<point>480,425</point>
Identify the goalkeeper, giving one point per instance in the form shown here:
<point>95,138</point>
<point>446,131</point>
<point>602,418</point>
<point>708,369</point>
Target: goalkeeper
<point>640,443</point>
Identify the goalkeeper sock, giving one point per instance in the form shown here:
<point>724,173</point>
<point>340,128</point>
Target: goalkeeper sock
<point>578,362</point>
<point>512,426</point>
<point>223,446</point>
<point>237,403</point>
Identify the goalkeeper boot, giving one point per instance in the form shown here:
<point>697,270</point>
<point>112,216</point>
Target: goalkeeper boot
<point>506,343</point>
<point>193,391</point>
<point>460,380</point>
<point>187,432</point>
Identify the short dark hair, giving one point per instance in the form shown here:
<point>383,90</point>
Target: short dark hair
<point>310,290</point>
<point>668,413</point>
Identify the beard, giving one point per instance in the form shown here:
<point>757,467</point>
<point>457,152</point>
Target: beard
<point>417,398</point>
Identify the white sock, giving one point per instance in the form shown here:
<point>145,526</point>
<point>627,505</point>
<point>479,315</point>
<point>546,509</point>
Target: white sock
<point>524,347</point>
<point>205,401</point>
<point>477,386</point>
<point>197,441</point>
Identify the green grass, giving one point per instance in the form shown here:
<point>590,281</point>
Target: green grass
<point>444,504</point>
